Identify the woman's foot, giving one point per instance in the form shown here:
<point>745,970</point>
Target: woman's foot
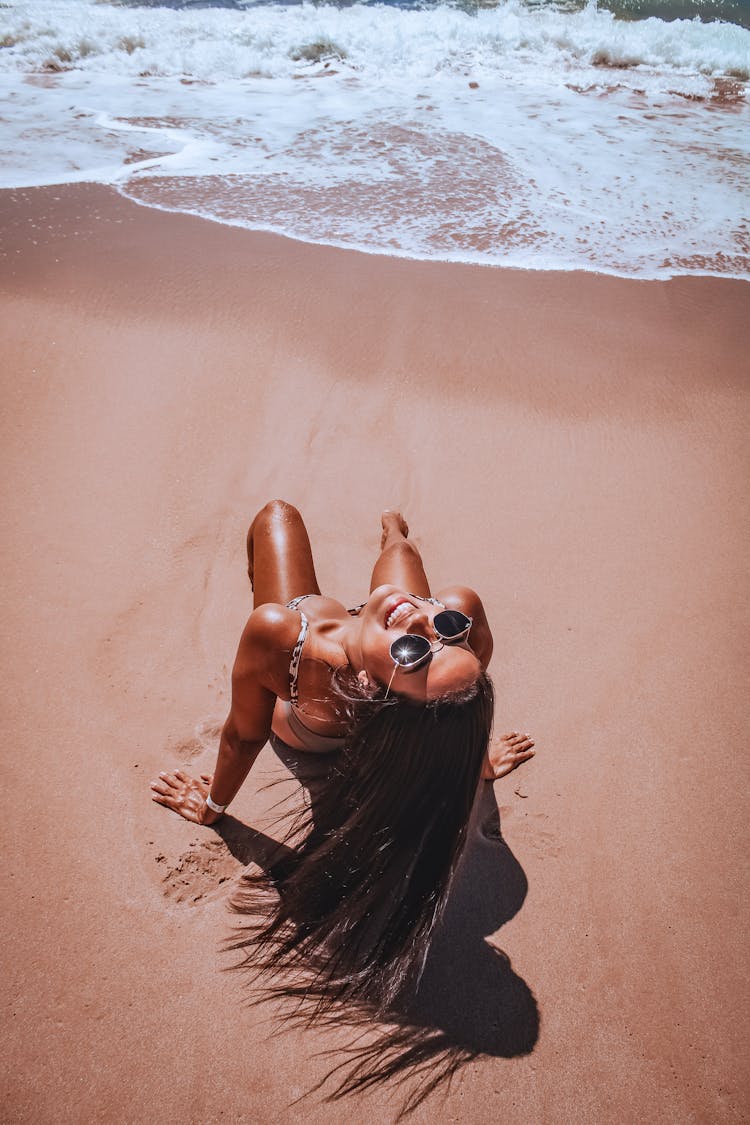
<point>394,527</point>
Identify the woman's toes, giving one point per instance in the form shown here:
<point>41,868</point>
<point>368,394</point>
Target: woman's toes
<point>391,518</point>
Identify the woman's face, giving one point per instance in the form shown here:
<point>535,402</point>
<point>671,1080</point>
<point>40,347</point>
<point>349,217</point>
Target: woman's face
<point>389,614</point>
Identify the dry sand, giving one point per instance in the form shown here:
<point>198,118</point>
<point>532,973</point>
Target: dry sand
<point>573,446</point>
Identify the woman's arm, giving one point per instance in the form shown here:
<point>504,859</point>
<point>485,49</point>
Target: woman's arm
<point>262,650</point>
<point>508,751</point>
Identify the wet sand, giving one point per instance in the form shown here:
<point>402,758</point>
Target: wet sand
<point>574,446</point>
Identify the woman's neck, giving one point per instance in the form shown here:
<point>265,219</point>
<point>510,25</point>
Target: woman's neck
<point>350,638</point>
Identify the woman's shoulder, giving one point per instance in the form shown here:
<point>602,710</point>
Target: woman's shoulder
<point>271,622</point>
<point>266,644</point>
<point>460,597</point>
<point>469,602</point>
<point>274,629</point>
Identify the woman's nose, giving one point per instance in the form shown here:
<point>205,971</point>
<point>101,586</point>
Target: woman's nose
<point>421,623</point>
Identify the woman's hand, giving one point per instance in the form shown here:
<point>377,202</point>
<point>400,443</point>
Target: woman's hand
<point>507,753</point>
<point>185,795</point>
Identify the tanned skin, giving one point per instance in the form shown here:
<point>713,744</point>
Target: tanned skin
<point>280,566</point>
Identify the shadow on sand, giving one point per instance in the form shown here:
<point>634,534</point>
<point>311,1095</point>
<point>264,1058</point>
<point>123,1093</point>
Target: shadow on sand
<point>468,1001</point>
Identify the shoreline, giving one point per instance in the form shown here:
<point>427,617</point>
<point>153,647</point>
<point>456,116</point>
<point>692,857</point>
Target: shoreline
<point>378,252</point>
<point>571,445</point>
<point>563,303</point>
<point>20,200</point>
<point>405,256</point>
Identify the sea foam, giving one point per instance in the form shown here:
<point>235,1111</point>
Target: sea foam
<point>516,135</point>
<point>370,40</point>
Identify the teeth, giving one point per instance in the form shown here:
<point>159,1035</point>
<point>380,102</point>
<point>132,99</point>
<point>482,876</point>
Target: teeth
<point>397,613</point>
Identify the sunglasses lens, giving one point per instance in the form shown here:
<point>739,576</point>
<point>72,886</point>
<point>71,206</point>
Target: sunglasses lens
<point>451,623</point>
<point>409,649</point>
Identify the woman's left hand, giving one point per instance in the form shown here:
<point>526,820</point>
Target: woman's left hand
<point>506,754</point>
<point>185,795</point>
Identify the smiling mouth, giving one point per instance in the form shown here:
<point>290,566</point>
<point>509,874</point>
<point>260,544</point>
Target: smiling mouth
<point>401,609</point>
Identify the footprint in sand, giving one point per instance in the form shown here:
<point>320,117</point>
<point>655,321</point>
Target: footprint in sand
<point>200,874</point>
<point>544,842</point>
<point>205,737</point>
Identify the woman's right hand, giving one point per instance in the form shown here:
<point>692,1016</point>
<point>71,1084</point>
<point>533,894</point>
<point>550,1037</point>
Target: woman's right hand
<point>185,795</point>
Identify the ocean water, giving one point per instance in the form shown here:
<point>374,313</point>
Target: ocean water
<point>571,135</point>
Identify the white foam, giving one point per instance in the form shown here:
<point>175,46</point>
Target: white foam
<point>554,158</point>
<point>371,40</point>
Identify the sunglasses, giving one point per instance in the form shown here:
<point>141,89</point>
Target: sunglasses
<point>412,650</point>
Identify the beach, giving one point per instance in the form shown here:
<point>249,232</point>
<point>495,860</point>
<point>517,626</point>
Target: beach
<point>571,445</point>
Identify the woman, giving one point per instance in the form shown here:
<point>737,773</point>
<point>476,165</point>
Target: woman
<point>398,690</point>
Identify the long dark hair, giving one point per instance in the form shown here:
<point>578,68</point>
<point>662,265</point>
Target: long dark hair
<point>346,913</point>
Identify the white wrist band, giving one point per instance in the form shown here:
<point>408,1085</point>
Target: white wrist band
<point>213,806</point>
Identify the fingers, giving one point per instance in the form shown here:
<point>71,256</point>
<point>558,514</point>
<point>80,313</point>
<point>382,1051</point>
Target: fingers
<point>178,779</point>
<point>163,795</point>
<point>513,761</point>
<point>164,792</point>
<point>163,786</point>
<point>173,780</point>
<point>176,791</point>
<point>178,806</point>
<point>513,749</point>
<point>517,741</point>
<point>168,802</point>
<point>173,786</point>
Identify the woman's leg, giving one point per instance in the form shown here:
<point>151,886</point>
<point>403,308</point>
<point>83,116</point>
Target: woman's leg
<point>279,556</point>
<point>400,563</point>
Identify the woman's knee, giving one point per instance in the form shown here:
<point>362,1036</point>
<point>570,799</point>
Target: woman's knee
<point>272,514</point>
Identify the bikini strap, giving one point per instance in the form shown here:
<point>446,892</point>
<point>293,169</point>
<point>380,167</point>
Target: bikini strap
<point>295,601</point>
<point>294,663</point>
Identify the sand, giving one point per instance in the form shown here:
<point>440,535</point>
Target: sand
<point>574,446</point>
